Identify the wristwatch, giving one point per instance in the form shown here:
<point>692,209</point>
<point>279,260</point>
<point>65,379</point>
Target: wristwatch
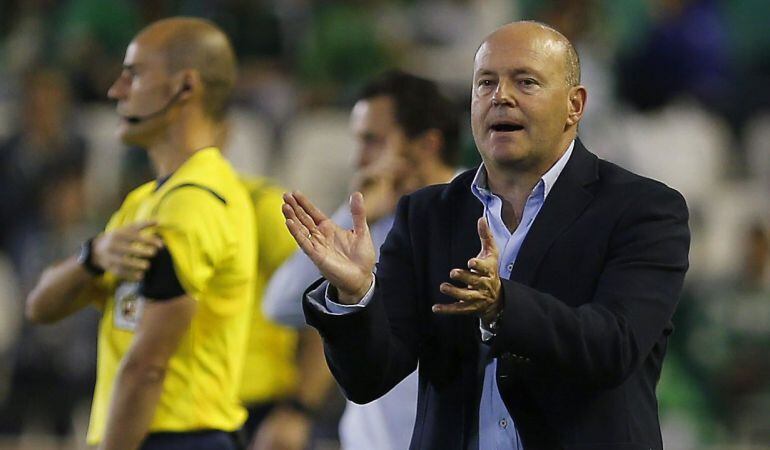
<point>495,323</point>
<point>86,258</point>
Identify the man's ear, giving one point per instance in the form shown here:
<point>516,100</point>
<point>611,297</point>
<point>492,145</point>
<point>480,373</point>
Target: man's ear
<point>576,104</point>
<point>191,83</point>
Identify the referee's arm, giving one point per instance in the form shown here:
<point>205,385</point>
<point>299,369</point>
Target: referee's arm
<point>70,285</point>
<point>59,292</point>
<point>139,382</point>
<point>167,314</point>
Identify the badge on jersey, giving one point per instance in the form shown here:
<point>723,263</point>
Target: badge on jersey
<point>128,306</point>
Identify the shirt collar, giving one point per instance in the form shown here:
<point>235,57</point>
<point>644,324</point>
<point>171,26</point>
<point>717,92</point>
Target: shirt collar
<point>480,185</point>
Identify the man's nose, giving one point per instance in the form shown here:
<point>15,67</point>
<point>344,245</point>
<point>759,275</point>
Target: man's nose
<point>503,95</point>
<point>117,90</point>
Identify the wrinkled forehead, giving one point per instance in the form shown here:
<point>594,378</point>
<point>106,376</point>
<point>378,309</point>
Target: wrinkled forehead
<point>512,47</point>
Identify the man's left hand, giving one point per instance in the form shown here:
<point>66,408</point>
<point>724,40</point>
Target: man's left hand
<point>482,294</point>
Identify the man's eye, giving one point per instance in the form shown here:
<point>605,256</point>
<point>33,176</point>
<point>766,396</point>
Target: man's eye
<point>485,83</point>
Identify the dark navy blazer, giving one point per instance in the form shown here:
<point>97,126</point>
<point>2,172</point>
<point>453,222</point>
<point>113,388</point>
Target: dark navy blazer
<point>586,320</point>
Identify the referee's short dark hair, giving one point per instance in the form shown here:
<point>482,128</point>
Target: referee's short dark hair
<point>420,106</point>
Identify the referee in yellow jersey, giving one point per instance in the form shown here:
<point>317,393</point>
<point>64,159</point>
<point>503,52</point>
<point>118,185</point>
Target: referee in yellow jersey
<point>173,272</point>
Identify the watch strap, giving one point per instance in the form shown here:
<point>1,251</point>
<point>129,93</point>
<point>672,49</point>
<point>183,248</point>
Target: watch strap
<point>86,258</point>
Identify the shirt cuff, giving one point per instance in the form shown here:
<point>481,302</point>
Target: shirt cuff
<point>339,309</point>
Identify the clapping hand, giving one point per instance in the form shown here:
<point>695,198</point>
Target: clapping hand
<point>344,257</point>
<point>482,294</point>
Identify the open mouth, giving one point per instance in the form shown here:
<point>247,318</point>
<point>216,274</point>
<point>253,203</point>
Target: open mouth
<point>506,127</point>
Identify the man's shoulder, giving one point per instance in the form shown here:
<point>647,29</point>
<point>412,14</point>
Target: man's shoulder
<point>446,193</point>
<point>139,193</point>
<point>208,170</point>
<point>618,181</point>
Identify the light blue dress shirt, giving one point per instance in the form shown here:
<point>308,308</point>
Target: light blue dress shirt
<point>497,430</point>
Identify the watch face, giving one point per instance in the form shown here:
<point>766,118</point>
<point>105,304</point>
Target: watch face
<point>84,253</point>
<point>85,258</point>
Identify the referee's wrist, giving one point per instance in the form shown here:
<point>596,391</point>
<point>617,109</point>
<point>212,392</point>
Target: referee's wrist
<point>85,258</point>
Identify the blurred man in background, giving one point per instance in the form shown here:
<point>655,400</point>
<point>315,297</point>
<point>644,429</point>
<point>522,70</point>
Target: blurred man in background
<point>407,137</point>
<point>173,272</point>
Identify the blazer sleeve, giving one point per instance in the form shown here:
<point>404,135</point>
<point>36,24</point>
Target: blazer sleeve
<point>371,350</point>
<point>603,341</point>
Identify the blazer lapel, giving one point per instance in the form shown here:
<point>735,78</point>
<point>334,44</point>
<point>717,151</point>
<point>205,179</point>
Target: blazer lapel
<point>566,201</point>
<point>461,212</point>
<point>464,241</point>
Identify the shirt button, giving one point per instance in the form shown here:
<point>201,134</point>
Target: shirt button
<point>503,423</point>
<point>510,267</point>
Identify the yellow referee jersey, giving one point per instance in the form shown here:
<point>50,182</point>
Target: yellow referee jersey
<point>269,370</point>
<point>206,221</point>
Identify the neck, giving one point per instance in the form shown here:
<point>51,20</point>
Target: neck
<point>513,185</point>
<point>513,191</point>
<point>182,140</point>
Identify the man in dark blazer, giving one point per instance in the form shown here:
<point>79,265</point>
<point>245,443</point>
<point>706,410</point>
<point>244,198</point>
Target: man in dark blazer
<point>536,292</point>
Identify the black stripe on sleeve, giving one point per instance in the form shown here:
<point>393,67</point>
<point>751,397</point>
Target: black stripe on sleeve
<point>199,186</point>
<point>160,281</point>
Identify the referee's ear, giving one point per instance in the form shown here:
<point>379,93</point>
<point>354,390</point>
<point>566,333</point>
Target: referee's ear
<point>190,85</point>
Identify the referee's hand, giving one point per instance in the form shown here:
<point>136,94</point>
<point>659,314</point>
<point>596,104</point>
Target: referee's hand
<point>127,251</point>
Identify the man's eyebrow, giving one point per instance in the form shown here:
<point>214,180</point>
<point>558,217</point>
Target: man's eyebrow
<point>512,72</point>
<point>483,72</point>
<point>525,71</point>
<point>129,67</point>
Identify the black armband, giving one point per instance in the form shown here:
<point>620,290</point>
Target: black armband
<point>160,281</point>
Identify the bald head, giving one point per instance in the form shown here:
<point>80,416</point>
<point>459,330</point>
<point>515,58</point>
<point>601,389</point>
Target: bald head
<point>539,30</point>
<point>197,44</point>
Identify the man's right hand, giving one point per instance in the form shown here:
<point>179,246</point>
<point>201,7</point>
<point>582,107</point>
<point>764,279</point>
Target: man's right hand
<point>344,257</point>
<point>126,251</point>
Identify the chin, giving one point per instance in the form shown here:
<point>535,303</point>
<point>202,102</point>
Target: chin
<point>135,135</point>
<point>507,155</point>
<point>516,162</point>
<point>131,140</point>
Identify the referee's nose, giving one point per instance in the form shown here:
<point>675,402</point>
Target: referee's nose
<point>119,88</point>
